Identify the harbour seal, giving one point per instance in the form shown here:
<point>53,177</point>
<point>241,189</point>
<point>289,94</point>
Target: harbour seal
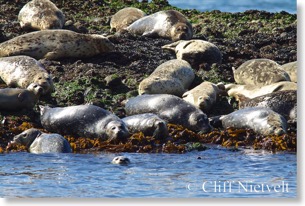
<point>203,96</point>
<point>259,72</point>
<point>56,44</point>
<point>172,77</point>
<point>172,109</point>
<point>121,160</point>
<point>250,91</point>
<point>41,15</point>
<point>150,124</point>
<point>38,142</point>
<point>14,99</point>
<point>195,52</point>
<point>292,70</point>
<point>168,24</point>
<point>261,120</point>
<point>124,17</point>
<point>282,102</point>
<point>83,120</point>
<point>21,71</point>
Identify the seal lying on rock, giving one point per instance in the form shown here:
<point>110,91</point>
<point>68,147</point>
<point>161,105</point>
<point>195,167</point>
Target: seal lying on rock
<point>121,160</point>
<point>169,24</point>
<point>124,17</point>
<point>21,71</point>
<point>172,77</point>
<point>250,91</point>
<point>148,123</point>
<point>292,69</point>
<point>56,44</point>
<point>170,108</point>
<point>41,15</point>
<point>259,72</point>
<point>14,99</point>
<point>83,120</point>
<point>282,102</point>
<point>39,142</point>
<point>195,52</point>
<point>261,120</point>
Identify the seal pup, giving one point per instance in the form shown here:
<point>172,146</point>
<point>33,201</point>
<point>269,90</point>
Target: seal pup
<point>204,95</point>
<point>124,17</point>
<point>168,24</point>
<point>85,121</point>
<point>250,91</point>
<point>282,102</point>
<point>261,120</point>
<point>195,52</point>
<point>292,70</point>
<point>38,142</point>
<point>41,15</point>
<point>172,109</point>
<point>150,124</point>
<point>14,99</point>
<point>121,160</point>
<point>56,44</point>
<point>21,71</point>
<point>259,72</point>
<point>172,77</point>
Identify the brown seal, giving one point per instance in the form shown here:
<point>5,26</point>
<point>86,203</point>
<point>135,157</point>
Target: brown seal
<point>292,69</point>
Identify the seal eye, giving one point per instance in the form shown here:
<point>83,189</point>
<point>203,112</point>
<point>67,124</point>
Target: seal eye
<point>113,128</point>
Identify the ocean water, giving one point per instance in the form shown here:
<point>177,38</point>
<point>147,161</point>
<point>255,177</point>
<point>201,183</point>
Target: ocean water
<point>238,5</point>
<point>213,173</point>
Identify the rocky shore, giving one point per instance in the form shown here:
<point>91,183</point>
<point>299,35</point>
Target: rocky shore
<point>108,80</point>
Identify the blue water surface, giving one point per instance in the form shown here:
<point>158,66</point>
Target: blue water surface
<point>150,175</point>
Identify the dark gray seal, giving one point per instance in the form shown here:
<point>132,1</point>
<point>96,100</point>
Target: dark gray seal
<point>169,24</point>
<point>150,124</point>
<point>170,108</point>
<point>261,120</point>
<point>282,102</point>
<point>85,121</point>
<point>39,142</point>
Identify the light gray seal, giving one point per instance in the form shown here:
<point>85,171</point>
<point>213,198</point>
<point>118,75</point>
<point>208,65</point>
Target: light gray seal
<point>282,102</point>
<point>168,24</point>
<point>259,72</point>
<point>261,120</point>
<point>124,17</point>
<point>39,142</point>
<point>84,121</point>
<point>56,44</point>
<point>172,109</point>
<point>21,71</point>
<point>172,77</point>
<point>149,124</point>
<point>292,69</point>
<point>14,99</point>
<point>121,160</point>
<point>195,52</point>
<point>41,15</point>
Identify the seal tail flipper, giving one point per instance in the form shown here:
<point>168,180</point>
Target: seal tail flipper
<point>171,47</point>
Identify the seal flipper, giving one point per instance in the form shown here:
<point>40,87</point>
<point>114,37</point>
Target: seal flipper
<point>152,33</point>
<point>21,96</point>
<point>43,109</point>
<point>54,55</point>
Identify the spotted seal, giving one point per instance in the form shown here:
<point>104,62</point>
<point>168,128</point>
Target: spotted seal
<point>282,102</point>
<point>170,108</point>
<point>172,77</point>
<point>150,124</point>
<point>292,69</point>
<point>21,71</point>
<point>250,91</point>
<point>121,160</point>
<point>261,120</point>
<point>195,52</point>
<point>259,72</point>
<point>39,142</point>
<point>41,15</point>
<point>56,44</point>
<point>204,95</point>
<point>14,99</point>
<point>168,24</point>
<point>124,17</point>
<point>83,120</point>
